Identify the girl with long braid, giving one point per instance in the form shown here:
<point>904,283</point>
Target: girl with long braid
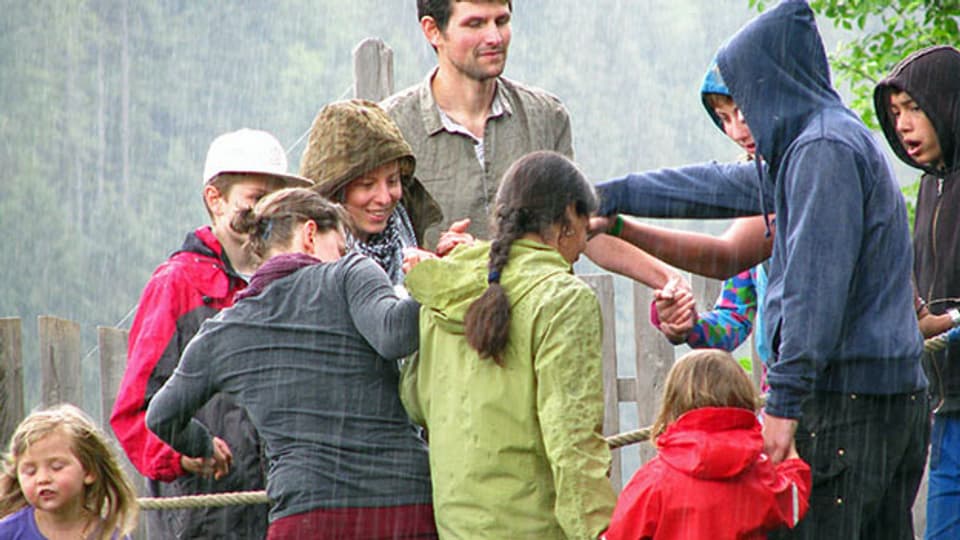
<point>508,381</point>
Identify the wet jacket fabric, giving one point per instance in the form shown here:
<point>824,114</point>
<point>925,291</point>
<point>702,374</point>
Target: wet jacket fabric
<point>838,311</point>
<point>932,78</point>
<point>192,285</point>
<point>710,479</point>
<point>351,138</point>
<point>516,451</point>
<point>312,358</point>
<point>446,162</point>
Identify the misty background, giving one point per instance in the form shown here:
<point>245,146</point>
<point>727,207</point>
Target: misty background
<point>108,107</point>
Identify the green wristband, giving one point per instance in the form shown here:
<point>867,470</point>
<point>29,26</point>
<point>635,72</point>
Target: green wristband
<point>617,226</point>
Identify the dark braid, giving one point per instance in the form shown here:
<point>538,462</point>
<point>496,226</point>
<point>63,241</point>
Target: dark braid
<point>488,319</point>
<point>534,195</point>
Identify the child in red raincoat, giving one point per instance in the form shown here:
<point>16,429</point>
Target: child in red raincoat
<point>710,477</point>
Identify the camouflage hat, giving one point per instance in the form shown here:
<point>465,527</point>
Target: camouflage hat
<point>350,138</point>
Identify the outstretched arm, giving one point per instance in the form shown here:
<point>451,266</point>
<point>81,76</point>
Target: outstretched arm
<point>743,245</point>
<point>621,257</point>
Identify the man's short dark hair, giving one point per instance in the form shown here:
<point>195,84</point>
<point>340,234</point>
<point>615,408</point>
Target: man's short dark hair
<point>440,10</point>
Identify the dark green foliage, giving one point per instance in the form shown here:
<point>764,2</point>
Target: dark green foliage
<point>887,31</point>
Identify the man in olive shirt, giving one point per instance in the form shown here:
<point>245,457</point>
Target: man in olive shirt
<point>465,122</point>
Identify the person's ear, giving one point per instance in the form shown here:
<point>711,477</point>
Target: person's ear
<point>214,199</point>
<point>309,236</point>
<point>431,30</point>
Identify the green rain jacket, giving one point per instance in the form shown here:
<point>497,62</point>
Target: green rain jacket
<point>515,451</point>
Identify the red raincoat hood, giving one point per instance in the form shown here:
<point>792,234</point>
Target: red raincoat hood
<point>711,443</point>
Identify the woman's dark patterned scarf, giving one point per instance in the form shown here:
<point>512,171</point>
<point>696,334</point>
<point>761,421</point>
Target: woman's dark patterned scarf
<point>386,247</point>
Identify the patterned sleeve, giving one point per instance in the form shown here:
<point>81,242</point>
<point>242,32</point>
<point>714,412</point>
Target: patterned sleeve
<point>730,322</point>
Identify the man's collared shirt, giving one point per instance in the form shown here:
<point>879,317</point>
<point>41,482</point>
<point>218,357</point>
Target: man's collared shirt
<point>463,182</point>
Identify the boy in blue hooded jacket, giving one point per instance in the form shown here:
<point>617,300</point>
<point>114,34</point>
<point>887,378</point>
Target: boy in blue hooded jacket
<point>845,380</point>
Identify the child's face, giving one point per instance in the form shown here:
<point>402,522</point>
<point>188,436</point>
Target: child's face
<point>226,203</point>
<point>915,130</point>
<point>51,477</point>
<point>735,127</point>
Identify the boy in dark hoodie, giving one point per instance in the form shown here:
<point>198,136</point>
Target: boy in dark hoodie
<point>845,379</point>
<point>918,106</point>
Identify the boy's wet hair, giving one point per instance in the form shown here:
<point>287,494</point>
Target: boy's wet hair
<point>717,100</point>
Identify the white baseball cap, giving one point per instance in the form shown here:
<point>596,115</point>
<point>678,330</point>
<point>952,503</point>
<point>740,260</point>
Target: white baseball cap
<point>250,151</point>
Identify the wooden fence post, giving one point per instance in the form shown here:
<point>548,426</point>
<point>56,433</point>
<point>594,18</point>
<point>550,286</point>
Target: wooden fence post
<point>654,357</point>
<point>112,343</point>
<point>113,362</point>
<point>372,70</point>
<point>11,378</point>
<point>60,362</point>
<point>602,285</point>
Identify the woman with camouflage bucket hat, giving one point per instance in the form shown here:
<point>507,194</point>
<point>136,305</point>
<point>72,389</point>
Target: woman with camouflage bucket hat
<point>358,157</point>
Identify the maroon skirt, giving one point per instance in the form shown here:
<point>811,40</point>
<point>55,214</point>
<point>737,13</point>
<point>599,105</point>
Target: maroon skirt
<point>385,522</point>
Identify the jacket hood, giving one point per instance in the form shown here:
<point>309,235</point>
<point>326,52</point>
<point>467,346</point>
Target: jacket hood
<point>348,139</point>
<point>712,442</point>
<point>932,78</point>
<point>203,243</point>
<point>449,285</point>
<point>713,84</point>
<point>777,72</point>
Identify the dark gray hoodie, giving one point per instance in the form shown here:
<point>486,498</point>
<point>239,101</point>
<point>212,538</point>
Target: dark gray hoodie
<point>932,78</point>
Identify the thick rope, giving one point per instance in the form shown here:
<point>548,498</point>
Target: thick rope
<point>260,497</point>
<point>628,437</point>
<point>934,344</point>
<point>197,501</point>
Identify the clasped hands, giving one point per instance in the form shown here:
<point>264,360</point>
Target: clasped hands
<point>676,309</point>
<point>454,236</point>
<point>216,466</point>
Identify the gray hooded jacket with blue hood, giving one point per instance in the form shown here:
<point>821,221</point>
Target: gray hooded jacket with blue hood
<point>839,305</point>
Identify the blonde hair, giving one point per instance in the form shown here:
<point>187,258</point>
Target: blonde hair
<point>111,495</point>
<point>704,378</point>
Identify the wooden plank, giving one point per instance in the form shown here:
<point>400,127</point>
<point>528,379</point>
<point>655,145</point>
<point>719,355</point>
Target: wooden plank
<point>11,377</point>
<point>60,362</point>
<point>112,343</point>
<point>372,70</point>
<point>705,291</point>
<point>654,358</point>
<point>602,285</point>
<point>626,389</point>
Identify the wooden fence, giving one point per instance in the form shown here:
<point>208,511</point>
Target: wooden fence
<point>61,358</point>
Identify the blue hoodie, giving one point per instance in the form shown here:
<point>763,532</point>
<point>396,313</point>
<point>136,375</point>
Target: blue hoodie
<point>839,306</point>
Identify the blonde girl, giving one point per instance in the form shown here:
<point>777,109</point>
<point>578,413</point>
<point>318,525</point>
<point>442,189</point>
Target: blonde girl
<point>60,479</point>
<point>710,477</point>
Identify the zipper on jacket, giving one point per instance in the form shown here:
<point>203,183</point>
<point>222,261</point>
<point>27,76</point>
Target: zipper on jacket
<point>941,396</point>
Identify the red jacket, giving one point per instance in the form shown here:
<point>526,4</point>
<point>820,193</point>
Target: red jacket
<point>711,479</point>
<point>190,287</point>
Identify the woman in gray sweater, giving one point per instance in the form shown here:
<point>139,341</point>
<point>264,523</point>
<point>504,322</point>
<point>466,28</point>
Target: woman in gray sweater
<point>309,351</point>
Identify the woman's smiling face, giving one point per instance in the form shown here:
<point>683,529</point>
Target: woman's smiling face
<point>372,197</point>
